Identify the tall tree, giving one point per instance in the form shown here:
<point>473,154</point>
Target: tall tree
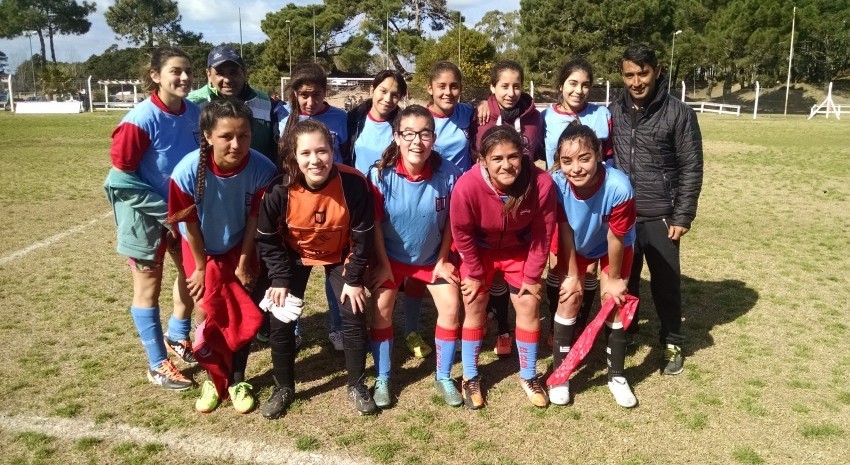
<point>404,25</point>
<point>144,21</point>
<point>503,29</point>
<point>45,17</point>
<point>474,56</point>
<point>333,26</point>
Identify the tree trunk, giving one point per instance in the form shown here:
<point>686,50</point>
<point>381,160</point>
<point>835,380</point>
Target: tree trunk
<point>43,48</point>
<point>52,49</point>
<point>397,63</point>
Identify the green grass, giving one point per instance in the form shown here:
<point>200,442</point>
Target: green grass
<point>766,310</point>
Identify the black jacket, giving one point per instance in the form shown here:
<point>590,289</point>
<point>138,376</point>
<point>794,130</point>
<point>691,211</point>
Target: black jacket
<point>660,149</point>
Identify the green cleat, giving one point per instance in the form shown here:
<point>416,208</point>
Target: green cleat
<point>241,397</point>
<point>209,398</point>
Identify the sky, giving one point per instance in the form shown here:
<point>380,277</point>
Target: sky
<point>201,16</point>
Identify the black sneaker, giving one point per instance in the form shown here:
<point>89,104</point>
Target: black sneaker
<point>363,402</point>
<point>674,359</point>
<point>181,349</point>
<point>169,377</point>
<point>275,407</point>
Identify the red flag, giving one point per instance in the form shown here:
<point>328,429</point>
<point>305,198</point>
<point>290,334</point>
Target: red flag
<point>585,342</point>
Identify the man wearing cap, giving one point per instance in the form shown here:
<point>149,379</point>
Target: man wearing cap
<point>228,77</point>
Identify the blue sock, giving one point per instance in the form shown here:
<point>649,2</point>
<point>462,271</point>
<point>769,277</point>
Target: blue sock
<point>471,340</point>
<point>412,311</point>
<point>381,341</point>
<point>526,346</point>
<point>150,332</point>
<point>333,307</point>
<point>445,341</point>
<point>178,330</point>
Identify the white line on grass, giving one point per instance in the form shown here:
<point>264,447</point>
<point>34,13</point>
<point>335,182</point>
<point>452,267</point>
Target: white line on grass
<point>51,240</point>
<point>195,445</point>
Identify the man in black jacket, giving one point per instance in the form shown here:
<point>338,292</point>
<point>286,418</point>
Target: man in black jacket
<point>657,142</point>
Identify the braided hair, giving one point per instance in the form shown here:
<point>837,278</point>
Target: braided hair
<point>212,112</point>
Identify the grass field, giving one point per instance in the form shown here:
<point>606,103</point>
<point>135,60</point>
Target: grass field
<point>767,307</point>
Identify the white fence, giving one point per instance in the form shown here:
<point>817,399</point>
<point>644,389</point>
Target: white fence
<point>719,108</point>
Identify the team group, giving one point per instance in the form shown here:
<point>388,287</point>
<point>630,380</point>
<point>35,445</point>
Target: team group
<point>247,199</point>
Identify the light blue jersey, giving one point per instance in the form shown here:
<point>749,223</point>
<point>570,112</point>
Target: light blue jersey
<point>453,138</point>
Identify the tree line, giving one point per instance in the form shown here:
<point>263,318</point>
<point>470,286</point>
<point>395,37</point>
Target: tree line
<point>722,42</point>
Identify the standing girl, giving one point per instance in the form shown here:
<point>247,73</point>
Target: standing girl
<point>371,131</point>
<point>598,202</point>
<point>370,123</point>
<point>454,121</point>
<point>454,124</point>
<point>307,91</point>
<point>215,194</point>
<point>574,82</point>
<point>412,186</point>
<point>514,242</point>
<point>147,144</point>
<point>322,214</point>
<point>514,108</point>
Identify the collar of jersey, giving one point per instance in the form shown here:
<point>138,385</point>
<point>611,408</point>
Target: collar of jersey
<point>426,172</point>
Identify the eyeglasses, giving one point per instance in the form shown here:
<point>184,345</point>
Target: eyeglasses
<point>424,135</point>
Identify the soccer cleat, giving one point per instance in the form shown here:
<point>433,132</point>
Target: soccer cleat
<point>169,377</point>
<point>363,402</point>
<point>241,397</point>
<point>675,360</point>
<point>471,391</point>
<point>535,392</point>
<point>209,398</point>
<point>181,349</point>
<point>276,405</point>
<point>622,392</point>
<point>417,346</point>
<point>504,342</point>
<point>383,397</point>
<point>336,339</point>
<point>560,394</point>
<point>446,388</point>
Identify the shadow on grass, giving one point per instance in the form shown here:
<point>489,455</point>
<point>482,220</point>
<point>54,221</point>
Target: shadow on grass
<point>706,304</point>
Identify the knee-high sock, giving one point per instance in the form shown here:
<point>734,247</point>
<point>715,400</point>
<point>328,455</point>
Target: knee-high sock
<point>178,330</point>
<point>553,291</point>
<point>445,341</point>
<point>282,344</point>
<point>149,328</point>
<point>240,362</point>
<point>526,345</point>
<point>616,349</point>
<point>471,339</point>
<point>563,339</point>
<point>381,341</point>
<point>498,305</point>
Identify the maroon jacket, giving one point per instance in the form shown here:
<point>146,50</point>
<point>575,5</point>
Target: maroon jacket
<point>530,125</point>
<point>478,222</point>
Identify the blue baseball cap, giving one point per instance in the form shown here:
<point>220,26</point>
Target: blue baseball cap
<point>221,53</point>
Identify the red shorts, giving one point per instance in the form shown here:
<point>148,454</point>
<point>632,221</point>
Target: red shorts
<point>625,268</point>
<point>423,273</point>
<point>511,265</point>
